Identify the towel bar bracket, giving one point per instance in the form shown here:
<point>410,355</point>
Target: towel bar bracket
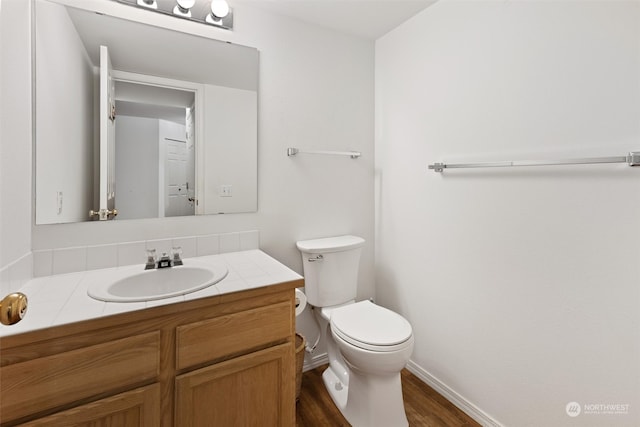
<point>437,167</point>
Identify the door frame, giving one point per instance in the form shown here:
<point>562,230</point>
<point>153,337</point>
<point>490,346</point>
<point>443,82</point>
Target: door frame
<point>199,140</point>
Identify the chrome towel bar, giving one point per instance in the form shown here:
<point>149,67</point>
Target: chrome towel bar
<point>632,159</point>
<point>352,154</point>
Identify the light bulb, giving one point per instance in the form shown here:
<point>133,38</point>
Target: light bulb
<point>219,8</point>
<point>183,8</point>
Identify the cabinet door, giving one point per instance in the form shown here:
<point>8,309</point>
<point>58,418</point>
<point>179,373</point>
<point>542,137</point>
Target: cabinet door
<point>135,408</point>
<point>257,389</point>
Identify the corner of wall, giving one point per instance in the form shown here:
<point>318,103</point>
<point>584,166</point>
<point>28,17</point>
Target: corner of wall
<point>452,396</point>
<point>14,275</point>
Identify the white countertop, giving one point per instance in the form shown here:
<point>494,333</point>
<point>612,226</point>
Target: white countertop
<point>61,299</point>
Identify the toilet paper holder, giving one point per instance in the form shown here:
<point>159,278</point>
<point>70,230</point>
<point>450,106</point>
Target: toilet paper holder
<point>300,301</point>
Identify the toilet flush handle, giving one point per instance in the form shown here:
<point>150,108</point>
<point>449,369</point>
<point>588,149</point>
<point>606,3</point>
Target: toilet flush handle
<point>317,258</point>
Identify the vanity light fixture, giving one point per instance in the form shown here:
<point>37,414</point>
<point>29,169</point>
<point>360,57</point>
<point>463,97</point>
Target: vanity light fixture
<point>151,4</point>
<point>183,8</point>
<point>219,14</point>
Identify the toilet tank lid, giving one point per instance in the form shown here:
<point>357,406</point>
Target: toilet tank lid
<point>330,244</point>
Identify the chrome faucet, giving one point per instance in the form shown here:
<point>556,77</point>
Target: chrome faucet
<point>165,260</point>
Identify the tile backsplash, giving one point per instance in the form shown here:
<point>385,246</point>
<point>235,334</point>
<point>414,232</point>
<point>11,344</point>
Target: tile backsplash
<point>81,258</point>
<point>16,274</point>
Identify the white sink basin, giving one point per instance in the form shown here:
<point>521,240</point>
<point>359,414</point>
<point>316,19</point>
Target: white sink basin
<point>133,283</point>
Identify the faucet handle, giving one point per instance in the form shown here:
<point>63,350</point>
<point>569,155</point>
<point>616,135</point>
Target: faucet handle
<point>151,259</point>
<point>176,255</point>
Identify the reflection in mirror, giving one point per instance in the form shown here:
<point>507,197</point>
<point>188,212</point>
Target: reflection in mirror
<point>185,123</point>
<point>154,133</point>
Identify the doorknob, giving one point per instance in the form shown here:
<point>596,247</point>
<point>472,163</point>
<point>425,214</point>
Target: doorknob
<point>13,308</point>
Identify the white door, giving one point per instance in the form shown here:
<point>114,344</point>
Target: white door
<point>176,178</point>
<point>191,161</point>
<point>107,136</point>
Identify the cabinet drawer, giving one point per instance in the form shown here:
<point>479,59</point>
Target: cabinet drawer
<point>211,339</point>
<point>49,382</point>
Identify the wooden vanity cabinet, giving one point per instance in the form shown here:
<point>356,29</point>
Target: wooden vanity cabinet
<point>227,360</point>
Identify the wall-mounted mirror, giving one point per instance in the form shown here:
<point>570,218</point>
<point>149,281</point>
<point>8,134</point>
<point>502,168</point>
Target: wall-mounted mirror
<point>183,111</point>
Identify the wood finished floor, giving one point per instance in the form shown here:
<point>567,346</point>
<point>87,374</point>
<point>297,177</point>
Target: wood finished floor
<point>423,405</point>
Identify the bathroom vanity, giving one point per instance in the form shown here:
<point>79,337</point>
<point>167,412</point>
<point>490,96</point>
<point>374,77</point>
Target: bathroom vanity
<point>220,360</point>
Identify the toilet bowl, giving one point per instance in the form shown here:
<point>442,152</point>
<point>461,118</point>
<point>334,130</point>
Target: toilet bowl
<point>372,338</point>
<point>367,345</point>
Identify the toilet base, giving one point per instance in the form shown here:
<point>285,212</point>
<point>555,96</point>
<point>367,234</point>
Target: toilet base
<point>337,390</point>
<point>367,401</point>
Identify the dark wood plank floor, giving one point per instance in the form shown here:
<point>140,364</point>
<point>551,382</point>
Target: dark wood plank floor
<point>423,405</point>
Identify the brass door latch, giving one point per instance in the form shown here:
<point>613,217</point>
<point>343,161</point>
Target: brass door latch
<point>103,214</point>
<point>13,308</point>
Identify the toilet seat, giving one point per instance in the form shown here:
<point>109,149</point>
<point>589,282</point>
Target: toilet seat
<point>371,327</point>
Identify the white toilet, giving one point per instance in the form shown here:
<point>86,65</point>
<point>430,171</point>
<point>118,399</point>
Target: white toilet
<point>368,345</point>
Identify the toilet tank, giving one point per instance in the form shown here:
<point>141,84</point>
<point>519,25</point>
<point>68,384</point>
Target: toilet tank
<point>331,269</point>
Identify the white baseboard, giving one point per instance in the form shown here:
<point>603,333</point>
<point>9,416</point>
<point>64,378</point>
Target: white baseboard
<point>463,404</point>
<point>317,360</point>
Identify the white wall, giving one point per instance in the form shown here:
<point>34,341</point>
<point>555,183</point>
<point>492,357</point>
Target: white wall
<point>65,80</point>
<point>15,144</point>
<point>229,152</point>
<point>137,149</point>
<point>522,285</point>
